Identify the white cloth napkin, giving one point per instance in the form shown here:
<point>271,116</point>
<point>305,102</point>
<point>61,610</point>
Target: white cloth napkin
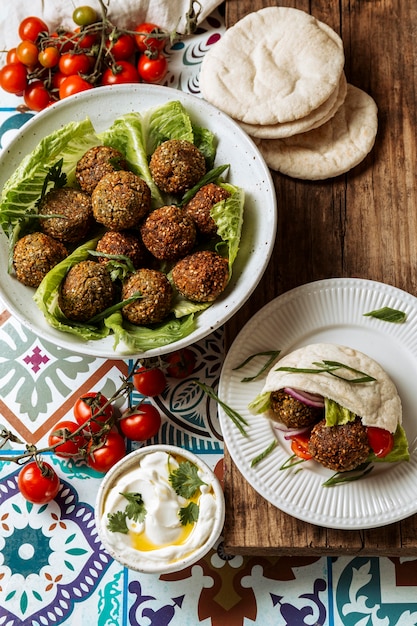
<point>168,14</point>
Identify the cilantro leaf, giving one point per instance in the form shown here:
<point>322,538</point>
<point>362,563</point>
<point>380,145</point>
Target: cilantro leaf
<point>135,508</point>
<point>189,514</point>
<point>185,479</point>
<point>56,176</point>
<point>117,522</point>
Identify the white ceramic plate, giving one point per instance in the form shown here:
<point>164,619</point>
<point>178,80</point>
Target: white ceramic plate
<point>326,311</point>
<point>247,170</point>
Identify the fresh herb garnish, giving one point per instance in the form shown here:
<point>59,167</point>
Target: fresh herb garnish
<point>387,314</point>
<point>345,477</point>
<point>185,479</point>
<point>292,461</point>
<point>264,454</point>
<point>330,367</point>
<point>135,510</point>
<point>236,418</point>
<point>119,265</point>
<point>56,176</point>
<point>189,514</point>
<point>272,354</point>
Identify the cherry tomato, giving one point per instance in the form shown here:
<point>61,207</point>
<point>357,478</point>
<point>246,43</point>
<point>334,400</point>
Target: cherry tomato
<point>152,70</point>
<point>49,57</point>
<point>180,363</point>
<point>84,15</point>
<point>13,78</point>
<point>113,449</point>
<point>143,40</point>
<point>38,483</point>
<point>36,96</point>
<point>380,440</point>
<point>122,47</point>
<point>85,40</point>
<point>149,381</point>
<point>88,405</point>
<point>57,79</point>
<point>30,27</point>
<point>70,64</point>
<point>299,446</point>
<point>60,432</point>
<point>125,73</point>
<point>64,41</point>
<point>11,56</point>
<point>73,84</point>
<point>141,422</point>
<point>27,53</point>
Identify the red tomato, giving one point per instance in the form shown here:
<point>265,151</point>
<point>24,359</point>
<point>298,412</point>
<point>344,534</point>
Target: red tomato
<point>180,363</point>
<point>144,42</point>
<point>30,27</point>
<point>113,449</point>
<point>38,483</point>
<point>141,422</point>
<point>11,56</point>
<point>70,64</point>
<point>122,47</point>
<point>89,405</point>
<point>36,96</point>
<point>73,84</point>
<point>57,79</point>
<point>299,446</point>
<point>13,78</point>
<point>27,53</point>
<point>85,40</point>
<point>149,381</point>
<point>64,41</point>
<point>125,73</point>
<point>60,432</point>
<point>49,57</point>
<point>380,440</point>
<point>153,70</point>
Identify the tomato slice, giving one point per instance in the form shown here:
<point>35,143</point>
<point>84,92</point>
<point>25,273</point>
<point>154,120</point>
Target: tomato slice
<point>380,440</point>
<point>299,446</point>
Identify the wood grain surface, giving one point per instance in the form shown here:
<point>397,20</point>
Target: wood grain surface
<point>362,224</point>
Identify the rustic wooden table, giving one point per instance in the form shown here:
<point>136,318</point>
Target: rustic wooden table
<point>362,224</point>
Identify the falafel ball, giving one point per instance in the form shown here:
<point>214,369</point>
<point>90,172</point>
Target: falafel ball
<point>340,448</point>
<point>199,207</point>
<point>168,233</point>
<point>125,243</point>
<point>292,412</point>
<point>96,163</point>
<point>177,165</point>
<point>156,292</point>
<point>75,208</point>
<point>86,291</point>
<point>121,200</point>
<point>201,276</point>
<point>34,255</point>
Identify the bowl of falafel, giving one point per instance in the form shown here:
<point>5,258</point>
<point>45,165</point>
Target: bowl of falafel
<point>135,220</point>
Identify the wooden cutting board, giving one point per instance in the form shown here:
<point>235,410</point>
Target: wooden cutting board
<point>362,224</point>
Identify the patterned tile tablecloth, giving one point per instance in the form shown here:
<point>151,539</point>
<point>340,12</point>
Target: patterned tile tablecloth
<point>53,569</point>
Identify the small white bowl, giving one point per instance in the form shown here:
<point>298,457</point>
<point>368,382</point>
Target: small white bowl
<point>158,561</point>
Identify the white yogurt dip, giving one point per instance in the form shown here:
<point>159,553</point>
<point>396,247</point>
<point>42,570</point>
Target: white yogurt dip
<point>160,538</point>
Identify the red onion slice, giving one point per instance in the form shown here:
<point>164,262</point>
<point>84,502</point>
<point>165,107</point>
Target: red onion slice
<point>310,399</point>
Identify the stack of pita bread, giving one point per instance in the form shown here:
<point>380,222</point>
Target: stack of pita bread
<point>279,72</point>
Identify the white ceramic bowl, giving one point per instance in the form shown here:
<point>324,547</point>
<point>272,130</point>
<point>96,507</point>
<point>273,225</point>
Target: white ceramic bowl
<point>144,561</point>
<point>247,170</point>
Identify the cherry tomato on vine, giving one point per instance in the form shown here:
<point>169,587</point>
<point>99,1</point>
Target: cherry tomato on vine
<point>49,56</point>
<point>13,78</point>
<point>73,84</point>
<point>299,446</point>
<point>30,27</point>
<point>36,96</point>
<point>85,40</point>
<point>27,53</point>
<point>113,449</point>
<point>64,41</point>
<point>180,363</point>
<point>11,56</point>
<point>380,440</point>
<point>70,64</point>
<point>141,422</point>
<point>38,483</point>
<point>125,73</point>
<point>88,405</point>
<point>143,39</point>
<point>149,381</point>
<point>84,15</point>
<point>152,70</point>
<point>60,432</point>
<point>122,47</point>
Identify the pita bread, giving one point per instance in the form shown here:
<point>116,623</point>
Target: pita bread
<point>331,149</point>
<point>316,118</point>
<point>275,65</point>
<point>376,402</point>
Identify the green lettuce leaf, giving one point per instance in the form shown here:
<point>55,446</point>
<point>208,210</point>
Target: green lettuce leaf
<point>336,414</point>
<point>228,215</point>
<point>168,121</point>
